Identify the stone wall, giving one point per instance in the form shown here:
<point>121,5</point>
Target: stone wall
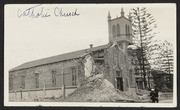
<point>117,60</point>
<point>122,21</point>
<point>45,75</point>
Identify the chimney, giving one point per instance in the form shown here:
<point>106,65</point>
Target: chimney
<point>91,46</point>
<point>122,12</point>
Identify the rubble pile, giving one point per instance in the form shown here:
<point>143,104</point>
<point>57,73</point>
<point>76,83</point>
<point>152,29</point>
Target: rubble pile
<point>144,95</point>
<point>98,89</point>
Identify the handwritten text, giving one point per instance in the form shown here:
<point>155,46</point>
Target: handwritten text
<point>39,11</point>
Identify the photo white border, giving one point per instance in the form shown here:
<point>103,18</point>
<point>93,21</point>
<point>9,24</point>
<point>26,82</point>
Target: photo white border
<point>98,104</point>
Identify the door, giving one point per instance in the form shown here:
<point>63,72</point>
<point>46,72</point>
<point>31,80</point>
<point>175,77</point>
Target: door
<point>120,83</point>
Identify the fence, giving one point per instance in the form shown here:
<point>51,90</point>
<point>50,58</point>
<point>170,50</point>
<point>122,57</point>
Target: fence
<point>40,93</point>
<point>165,96</point>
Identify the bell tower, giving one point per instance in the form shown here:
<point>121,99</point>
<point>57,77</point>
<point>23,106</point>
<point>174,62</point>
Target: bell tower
<point>120,30</point>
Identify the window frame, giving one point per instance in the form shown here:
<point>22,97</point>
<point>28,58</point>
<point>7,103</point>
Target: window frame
<point>114,31</point>
<point>74,76</point>
<point>54,78</point>
<point>22,82</point>
<point>118,30</point>
<point>36,80</point>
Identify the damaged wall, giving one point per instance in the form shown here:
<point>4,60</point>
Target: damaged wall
<point>118,62</point>
<point>88,65</point>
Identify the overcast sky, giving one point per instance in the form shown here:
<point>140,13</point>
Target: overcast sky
<point>28,39</point>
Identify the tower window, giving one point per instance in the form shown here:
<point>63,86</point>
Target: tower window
<point>127,31</point>
<point>114,31</point>
<point>118,30</point>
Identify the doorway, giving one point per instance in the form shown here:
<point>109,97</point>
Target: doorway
<point>120,83</point>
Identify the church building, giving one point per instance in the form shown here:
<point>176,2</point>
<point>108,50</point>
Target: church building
<point>46,77</point>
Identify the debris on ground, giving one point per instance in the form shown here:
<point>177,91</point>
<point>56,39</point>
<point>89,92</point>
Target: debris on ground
<point>98,89</point>
<point>143,94</point>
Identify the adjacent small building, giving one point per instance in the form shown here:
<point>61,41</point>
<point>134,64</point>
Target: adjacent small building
<point>163,81</point>
<point>47,76</point>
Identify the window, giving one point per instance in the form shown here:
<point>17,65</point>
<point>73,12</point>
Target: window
<point>54,78</point>
<point>118,30</point>
<point>130,76</point>
<point>118,74</point>
<point>10,82</point>
<point>37,80</point>
<point>114,31</point>
<point>127,31</point>
<point>74,76</point>
<point>23,82</point>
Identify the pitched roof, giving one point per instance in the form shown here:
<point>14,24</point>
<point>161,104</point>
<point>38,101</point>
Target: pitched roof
<point>57,58</point>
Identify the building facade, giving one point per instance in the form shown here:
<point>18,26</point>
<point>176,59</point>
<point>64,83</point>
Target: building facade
<point>68,70</point>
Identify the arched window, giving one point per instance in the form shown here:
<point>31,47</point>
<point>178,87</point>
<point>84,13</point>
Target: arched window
<point>118,30</point>
<point>23,81</point>
<point>114,31</point>
<point>127,31</point>
<point>36,79</point>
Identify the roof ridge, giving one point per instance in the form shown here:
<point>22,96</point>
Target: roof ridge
<point>55,58</point>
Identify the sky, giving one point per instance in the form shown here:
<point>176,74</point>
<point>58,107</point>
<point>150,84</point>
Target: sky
<point>28,39</point>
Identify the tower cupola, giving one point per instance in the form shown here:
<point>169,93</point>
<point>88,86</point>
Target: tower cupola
<point>120,30</point>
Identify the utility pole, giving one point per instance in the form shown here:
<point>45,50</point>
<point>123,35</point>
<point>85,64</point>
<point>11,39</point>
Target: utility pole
<point>21,92</point>
<point>63,83</point>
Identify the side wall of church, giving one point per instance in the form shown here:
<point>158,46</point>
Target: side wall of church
<point>45,75</point>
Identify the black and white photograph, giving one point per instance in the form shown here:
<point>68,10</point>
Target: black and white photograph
<point>90,55</point>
